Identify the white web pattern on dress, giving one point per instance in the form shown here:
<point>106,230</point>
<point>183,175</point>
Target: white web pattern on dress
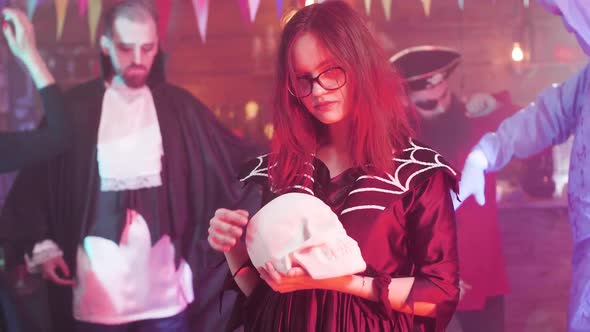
<point>395,181</point>
<point>258,170</point>
<point>263,171</point>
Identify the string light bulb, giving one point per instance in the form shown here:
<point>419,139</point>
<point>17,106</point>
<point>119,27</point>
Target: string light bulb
<point>517,52</point>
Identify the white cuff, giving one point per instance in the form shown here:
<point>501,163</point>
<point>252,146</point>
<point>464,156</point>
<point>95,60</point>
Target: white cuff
<point>42,252</point>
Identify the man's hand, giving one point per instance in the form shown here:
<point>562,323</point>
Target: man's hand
<point>473,178</point>
<point>50,271</point>
<point>480,104</point>
<point>19,34</point>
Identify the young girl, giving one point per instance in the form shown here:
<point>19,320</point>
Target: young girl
<point>342,135</point>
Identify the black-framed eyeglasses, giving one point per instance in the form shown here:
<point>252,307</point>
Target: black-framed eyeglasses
<point>330,79</point>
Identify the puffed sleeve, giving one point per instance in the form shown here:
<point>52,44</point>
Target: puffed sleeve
<point>432,245</point>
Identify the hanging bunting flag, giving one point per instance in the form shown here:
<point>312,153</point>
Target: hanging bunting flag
<point>368,7</point>
<point>94,11</point>
<point>201,8</point>
<point>279,9</point>
<point>387,8</point>
<point>253,5</point>
<point>461,4</point>
<point>31,7</point>
<point>426,4</point>
<point>3,3</point>
<point>244,10</point>
<point>526,3</point>
<point>61,9</point>
<point>82,7</point>
<point>164,7</point>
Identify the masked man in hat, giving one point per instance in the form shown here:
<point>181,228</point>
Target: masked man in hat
<point>452,127</point>
<point>118,223</point>
<point>560,111</point>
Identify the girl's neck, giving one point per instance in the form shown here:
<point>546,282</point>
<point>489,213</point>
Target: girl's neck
<point>335,151</point>
<point>338,136</point>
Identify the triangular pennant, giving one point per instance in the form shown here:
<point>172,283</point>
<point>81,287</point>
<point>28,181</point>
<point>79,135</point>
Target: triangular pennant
<point>31,7</point>
<point>526,3</point>
<point>94,12</point>
<point>201,8</point>
<point>3,3</point>
<point>253,5</point>
<point>387,8</point>
<point>164,7</point>
<point>244,10</point>
<point>461,4</point>
<point>279,8</point>
<point>368,7</point>
<point>82,7</point>
<point>61,9</point>
<point>426,4</point>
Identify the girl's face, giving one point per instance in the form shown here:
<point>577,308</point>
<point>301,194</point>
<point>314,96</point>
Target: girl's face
<point>319,82</point>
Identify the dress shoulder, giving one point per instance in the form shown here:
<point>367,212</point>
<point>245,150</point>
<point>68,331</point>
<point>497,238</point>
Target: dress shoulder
<point>255,170</point>
<point>418,162</point>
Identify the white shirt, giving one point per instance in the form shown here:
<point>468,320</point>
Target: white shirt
<point>130,281</point>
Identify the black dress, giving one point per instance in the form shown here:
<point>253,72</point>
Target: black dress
<point>18,149</point>
<point>404,224</point>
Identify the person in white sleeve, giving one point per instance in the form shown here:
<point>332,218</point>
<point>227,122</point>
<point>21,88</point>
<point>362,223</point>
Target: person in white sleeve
<point>560,111</point>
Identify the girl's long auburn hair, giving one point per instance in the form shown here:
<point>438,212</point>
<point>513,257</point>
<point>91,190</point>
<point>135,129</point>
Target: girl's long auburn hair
<point>379,119</point>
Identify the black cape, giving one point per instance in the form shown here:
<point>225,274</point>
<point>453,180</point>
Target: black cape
<point>201,158</point>
<point>25,147</point>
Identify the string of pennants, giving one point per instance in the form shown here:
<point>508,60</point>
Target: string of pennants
<point>92,9</point>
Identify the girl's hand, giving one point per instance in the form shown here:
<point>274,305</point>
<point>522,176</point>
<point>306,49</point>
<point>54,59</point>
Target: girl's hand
<point>226,228</point>
<point>295,279</point>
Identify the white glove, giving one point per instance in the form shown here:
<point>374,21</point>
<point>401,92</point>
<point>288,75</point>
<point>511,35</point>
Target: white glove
<point>480,104</point>
<point>473,178</point>
<point>463,288</point>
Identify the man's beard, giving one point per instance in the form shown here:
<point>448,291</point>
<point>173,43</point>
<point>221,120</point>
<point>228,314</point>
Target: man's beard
<point>135,80</point>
